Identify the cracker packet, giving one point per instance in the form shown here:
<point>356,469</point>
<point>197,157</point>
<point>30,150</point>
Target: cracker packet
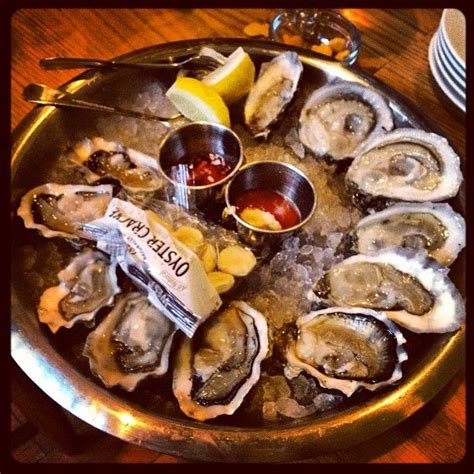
<point>171,274</point>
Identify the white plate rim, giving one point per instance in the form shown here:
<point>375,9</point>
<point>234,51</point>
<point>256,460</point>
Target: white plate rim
<point>448,41</point>
<point>452,60</point>
<point>440,80</point>
<point>447,73</point>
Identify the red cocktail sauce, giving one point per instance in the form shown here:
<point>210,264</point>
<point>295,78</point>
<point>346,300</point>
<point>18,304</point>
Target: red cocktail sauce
<point>284,211</point>
<point>200,169</point>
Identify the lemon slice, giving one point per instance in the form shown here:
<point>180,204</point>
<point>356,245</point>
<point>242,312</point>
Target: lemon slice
<point>198,101</point>
<point>234,79</point>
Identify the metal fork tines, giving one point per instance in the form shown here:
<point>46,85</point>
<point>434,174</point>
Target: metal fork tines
<point>193,62</point>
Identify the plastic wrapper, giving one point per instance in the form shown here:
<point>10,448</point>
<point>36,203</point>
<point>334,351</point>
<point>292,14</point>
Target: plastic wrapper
<point>170,273</point>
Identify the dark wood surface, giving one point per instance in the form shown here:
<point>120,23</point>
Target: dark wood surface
<point>394,49</point>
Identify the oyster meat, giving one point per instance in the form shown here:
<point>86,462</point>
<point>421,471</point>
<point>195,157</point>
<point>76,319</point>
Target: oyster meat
<point>434,227</point>
<point>99,158</point>
<point>215,370</point>
<point>404,165</point>
<point>132,342</point>
<point>272,92</point>
<point>86,285</point>
<point>338,119</point>
<point>59,210</point>
<point>412,288</point>
<point>348,348</point>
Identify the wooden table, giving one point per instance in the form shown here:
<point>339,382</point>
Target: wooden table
<point>394,49</point>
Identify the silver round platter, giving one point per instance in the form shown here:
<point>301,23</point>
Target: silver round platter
<point>52,361</point>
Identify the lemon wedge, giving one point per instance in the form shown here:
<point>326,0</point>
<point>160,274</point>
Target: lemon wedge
<point>198,101</point>
<point>234,79</point>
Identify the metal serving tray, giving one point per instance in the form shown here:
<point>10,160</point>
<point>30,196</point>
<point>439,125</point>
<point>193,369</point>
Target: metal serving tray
<point>42,136</point>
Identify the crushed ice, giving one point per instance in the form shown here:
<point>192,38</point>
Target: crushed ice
<point>278,287</point>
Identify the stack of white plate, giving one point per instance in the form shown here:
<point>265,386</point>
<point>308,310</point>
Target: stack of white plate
<point>447,56</point>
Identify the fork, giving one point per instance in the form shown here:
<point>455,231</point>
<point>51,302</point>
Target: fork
<point>198,61</point>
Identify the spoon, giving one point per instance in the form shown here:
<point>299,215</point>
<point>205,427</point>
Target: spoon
<point>44,95</point>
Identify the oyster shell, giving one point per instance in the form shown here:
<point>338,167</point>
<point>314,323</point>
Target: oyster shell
<point>272,92</point>
<point>99,158</point>
<point>59,210</point>
<point>412,288</point>
<point>434,227</point>
<point>348,348</point>
<point>216,369</point>
<point>132,342</point>
<point>86,285</point>
<point>404,165</point>
<point>338,119</point>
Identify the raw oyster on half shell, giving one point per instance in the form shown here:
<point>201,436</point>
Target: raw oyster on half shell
<point>413,289</point>
<point>86,285</point>
<point>272,92</point>
<point>434,227</point>
<point>348,348</point>
<point>99,158</point>
<point>404,165</point>
<point>59,210</point>
<point>215,369</point>
<point>132,342</point>
<point>338,119</point>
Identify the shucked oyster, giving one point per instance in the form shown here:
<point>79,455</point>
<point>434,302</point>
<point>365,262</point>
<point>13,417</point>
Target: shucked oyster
<point>272,92</point>
<point>405,165</point>
<point>348,348</point>
<point>431,226</point>
<point>132,342</point>
<point>338,119</point>
<point>215,370</point>
<point>99,158</point>
<point>412,288</point>
<point>86,285</point>
<point>59,210</point>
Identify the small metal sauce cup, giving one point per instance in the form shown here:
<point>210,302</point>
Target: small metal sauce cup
<point>199,138</point>
<point>282,178</point>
